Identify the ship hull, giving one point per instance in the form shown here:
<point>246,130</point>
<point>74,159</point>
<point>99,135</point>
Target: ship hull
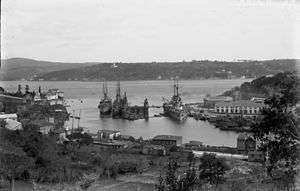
<point>105,109</point>
<point>178,115</point>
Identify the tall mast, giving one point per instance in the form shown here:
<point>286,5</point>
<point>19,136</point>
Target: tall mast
<point>103,89</point>
<point>106,89</point>
<point>118,95</point>
<point>174,88</point>
<point>177,86</point>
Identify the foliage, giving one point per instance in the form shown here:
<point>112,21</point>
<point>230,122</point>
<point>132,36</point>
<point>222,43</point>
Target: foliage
<point>13,162</point>
<point>212,169</point>
<point>277,131</point>
<point>174,182</point>
<point>167,70</point>
<point>266,86</point>
<point>82,138</point>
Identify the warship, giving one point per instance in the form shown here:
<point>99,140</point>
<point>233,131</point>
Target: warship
<point>121,108</point>
<point>105,104</point>
<point>174,108</point>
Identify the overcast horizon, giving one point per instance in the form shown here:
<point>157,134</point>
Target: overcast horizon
<point>147,31</point>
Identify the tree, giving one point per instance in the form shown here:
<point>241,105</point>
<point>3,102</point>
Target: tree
<point>161,184</point>
<point>212,169</point>
<point>13,162</point>
<point>174,182</point>
<point>171,180</point>
<point>277,130</point>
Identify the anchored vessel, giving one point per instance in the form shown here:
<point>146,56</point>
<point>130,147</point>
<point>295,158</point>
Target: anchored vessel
<point>174,108</point>
<point>105,104</point>
<point>121,108</point>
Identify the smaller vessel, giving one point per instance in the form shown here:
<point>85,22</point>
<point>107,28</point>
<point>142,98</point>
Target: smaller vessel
<point>105,104</point>
<point>174,108</point>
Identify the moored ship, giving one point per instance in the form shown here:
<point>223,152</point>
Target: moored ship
<point>174,108</point>
<point>105,104</point>
<point>121,108</point>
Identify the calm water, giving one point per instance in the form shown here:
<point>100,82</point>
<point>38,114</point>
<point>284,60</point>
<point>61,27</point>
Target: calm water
<point>84,96</point>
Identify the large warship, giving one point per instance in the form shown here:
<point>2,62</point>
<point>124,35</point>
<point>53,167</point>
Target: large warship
<point>105,104</point>
<point>174,108</point>
<point>121,108</point>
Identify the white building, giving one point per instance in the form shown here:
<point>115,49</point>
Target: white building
<point>241,107</point>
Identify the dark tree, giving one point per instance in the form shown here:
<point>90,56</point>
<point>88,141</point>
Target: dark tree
<point>277,131</point>
<point>13,162</point>
<point>212,169</point>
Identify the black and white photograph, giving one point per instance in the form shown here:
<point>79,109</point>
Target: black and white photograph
<point>150,95</point>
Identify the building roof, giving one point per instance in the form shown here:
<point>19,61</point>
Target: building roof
<point>167,137</point>
<point>239,103</point>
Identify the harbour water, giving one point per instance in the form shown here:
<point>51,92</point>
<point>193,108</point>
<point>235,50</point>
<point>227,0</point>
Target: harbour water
<point>85,96</point>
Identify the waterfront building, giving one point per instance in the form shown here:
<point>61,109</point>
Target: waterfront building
<point>210,102</point>
<point>167,140</point>
<point>246,143</point>
<point>245,108</point>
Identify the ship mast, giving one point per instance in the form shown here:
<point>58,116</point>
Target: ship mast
<point>177,86</point>
<point>174,88</point>
<point>105,90</point>
<point>118,95</point>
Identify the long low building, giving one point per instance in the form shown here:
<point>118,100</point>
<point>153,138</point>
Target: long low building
<point>167,140</point>
<point>241,107</point>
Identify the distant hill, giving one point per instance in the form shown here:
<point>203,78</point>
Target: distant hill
<point>168,70</point>
<point>143,71</point>
<point>23,68</point>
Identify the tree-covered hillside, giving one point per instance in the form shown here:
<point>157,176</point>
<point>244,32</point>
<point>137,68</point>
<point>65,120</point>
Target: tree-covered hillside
<point>265,86</point>
<point>169,70</point>
<point>18,68</point>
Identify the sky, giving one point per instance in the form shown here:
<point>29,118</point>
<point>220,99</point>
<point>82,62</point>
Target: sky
<point>150,30</point>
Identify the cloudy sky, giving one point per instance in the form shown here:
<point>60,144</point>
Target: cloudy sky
<point>149,30</point>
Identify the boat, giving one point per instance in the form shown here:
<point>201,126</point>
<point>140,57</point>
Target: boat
<point>105,104</point>
<point>121,108</point>
<point>175,108</point>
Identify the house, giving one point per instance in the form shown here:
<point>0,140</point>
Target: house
<point>157,150</point>
<point>167,140</point>
<point>245,108</point>
<point>210,102</point>
<point>256,156</point>
<point>245,143</point>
